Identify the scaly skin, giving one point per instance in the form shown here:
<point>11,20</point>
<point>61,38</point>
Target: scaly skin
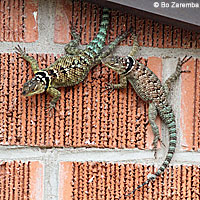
<point>72,68</point>
<point>149,88</point>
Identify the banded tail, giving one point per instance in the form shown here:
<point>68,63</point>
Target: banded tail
<point>167,115</point>
<point>97,44</point>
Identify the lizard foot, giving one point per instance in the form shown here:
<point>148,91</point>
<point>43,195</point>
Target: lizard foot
<point>184,60</point>
<point>20,51</point>
<point>51,107</point>
<point>73,28</point>
<point>155,145</point>
<point>110,87</point>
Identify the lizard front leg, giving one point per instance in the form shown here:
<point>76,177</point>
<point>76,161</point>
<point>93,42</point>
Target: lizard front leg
<point>56,95</point>
<point>122,84</point>
<point>30,59</point>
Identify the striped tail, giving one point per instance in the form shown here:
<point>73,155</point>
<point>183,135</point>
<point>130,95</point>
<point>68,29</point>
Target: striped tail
<point>97,44</point>
<point>167,115</point>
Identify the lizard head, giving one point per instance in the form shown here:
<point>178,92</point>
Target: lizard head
<point>122,65</point>
<point>37,84</point>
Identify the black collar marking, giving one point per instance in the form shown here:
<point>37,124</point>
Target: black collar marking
<point>130,66</point>
<point>43,76</point>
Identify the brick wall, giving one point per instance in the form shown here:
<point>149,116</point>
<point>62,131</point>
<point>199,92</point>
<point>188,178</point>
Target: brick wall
<point>96,145</point>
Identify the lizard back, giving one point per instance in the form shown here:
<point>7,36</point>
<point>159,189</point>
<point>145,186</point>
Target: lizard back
<point>68,70</point>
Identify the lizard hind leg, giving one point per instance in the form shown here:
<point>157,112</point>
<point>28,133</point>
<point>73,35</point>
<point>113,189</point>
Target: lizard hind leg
<point>168,83</point>
<point>71,47</point>
<point>152,117</point>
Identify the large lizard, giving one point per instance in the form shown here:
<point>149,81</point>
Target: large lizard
<point>72,68</point>
<point>149,88</point>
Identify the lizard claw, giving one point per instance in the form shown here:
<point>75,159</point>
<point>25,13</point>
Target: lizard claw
<point>110,87</point>
<point>185,71</point>
<point>184,60</point>
<point>51,107</point>
<point>20,51</point>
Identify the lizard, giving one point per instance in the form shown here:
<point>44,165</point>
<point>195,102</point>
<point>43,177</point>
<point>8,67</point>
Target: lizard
<point>72,68</point>
<point>150,89</point>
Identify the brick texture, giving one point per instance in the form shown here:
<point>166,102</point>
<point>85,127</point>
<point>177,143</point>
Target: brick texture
<point>85,115</point>
<point>151,33</point>
<point>18,20</point>
<point>19,180</point>
<point>91,180</point>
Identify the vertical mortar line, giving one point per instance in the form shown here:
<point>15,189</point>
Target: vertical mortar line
<point>46,17</point>
<point>51,174</point>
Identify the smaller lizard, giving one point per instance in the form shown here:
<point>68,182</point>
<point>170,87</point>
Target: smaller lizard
<point>147,85</point>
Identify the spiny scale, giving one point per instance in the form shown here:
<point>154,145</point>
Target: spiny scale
<point>149,88</point>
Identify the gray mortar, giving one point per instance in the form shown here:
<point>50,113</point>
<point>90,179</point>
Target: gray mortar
<point>51,157</point>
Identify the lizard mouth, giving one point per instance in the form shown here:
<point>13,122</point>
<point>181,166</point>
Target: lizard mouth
<point>24,93</point>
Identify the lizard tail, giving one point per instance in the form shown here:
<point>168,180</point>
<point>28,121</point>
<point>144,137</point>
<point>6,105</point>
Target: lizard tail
<point>167,115</point>
<point>95,46</point>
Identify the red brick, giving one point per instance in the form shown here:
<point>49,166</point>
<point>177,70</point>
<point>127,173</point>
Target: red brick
<point>63,17</point>
<point>86,116</point>
<point>86,15</point>
<point>19,21</point>
<point>65,180</point>
<point>93,180</point>
<point>19,180</point>
<point>190,139</point>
